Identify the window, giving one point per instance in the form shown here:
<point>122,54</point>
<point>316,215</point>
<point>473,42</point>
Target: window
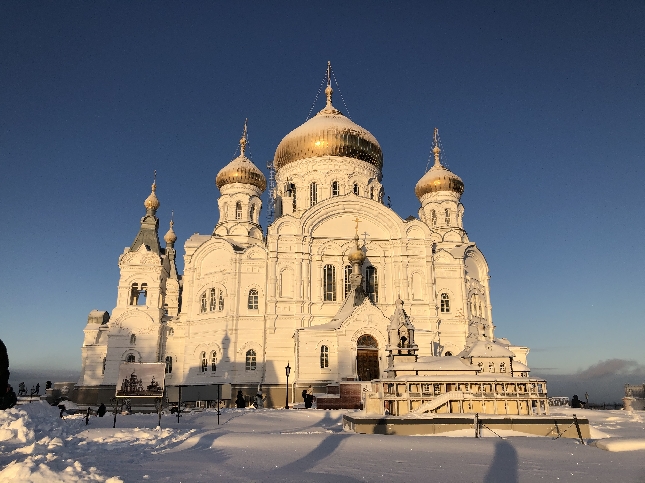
<point>445,303</point>
<point>433,217</point>
<point>448,354</point>
<point>372,192</point>
<point>213,361</point>
<point>324,357</point>
<point>356,189</point>
<point>253,299</point>
<point>168,365</point>
<point>348,283</point>
<point>130,358</point>
<point>238,211</point>
<point>334,189</point>
<point>329,281</point>
<point>313,194</point>
<point>204,362</point>
<point>252,213</point>
<point>220,302</point>
<point>447,217</point>
<point>480,310</point>
<point>491,367</point>
<point>133,339</point>
<point>502,367</point>
<point>104,363</point>
<point>371,283</point>
<point>212,306</point>
<point>367,341</point>
<point>202,303</point>
<point>250,360</point>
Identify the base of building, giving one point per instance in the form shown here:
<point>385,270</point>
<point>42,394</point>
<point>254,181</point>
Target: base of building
<point>563,427</point>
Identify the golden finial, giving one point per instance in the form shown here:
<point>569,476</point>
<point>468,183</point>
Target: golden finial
<point>170,237</point>
<point>328,90</point>
<point>436,150</point>
<point>243,141</point>
<point>356,220</point>
<point>151,202</point>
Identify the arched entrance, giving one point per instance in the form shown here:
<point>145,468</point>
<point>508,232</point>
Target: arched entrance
<point>367,367</point>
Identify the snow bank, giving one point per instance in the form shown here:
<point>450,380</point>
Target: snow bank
<point>34,469</point>
<point>15,427</point>
<point>620,444</point>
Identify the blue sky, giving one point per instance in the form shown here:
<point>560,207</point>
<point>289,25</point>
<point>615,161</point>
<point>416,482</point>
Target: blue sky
<point>539,107</point>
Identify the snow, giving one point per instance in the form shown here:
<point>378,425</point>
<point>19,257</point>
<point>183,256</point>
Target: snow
<point>301,445</point>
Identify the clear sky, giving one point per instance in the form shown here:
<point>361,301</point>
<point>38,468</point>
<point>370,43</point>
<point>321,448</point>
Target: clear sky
<point>539,107</point>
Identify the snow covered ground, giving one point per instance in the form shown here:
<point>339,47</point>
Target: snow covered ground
<point>302,446</point>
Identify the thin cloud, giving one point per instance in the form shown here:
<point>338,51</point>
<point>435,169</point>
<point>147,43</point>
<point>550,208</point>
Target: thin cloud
<point>612,367</point>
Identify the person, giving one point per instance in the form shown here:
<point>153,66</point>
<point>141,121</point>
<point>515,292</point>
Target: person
<point>259,399</point>
<point>240,402</point>
<point>309,397</point>
<point>62,410</point>
<point>102,410</point>
<point>9,398</point>
<point>575,402</point>
<point>4,371</point>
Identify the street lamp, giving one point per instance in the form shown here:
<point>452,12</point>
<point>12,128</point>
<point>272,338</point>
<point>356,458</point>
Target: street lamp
<point>288,370</point>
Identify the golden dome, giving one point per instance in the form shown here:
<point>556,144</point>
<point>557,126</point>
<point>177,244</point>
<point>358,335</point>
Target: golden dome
<point>241,170</point>
<point>438,178</point>
<point>356,255</point>
<point>328,133</point>
<point>151,202</point>
<point>170,237</point>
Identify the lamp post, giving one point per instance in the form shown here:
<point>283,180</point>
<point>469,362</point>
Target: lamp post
<point>288,370</point>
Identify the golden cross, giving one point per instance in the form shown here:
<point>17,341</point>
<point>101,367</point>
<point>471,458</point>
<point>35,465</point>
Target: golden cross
<point>357,220</point>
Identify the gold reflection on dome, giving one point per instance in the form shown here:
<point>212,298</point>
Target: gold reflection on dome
<point>329,133</point>
<point>241,170</point>
<point>438,178</point>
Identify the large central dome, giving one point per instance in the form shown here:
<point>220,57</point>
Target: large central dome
<point>328,133</point>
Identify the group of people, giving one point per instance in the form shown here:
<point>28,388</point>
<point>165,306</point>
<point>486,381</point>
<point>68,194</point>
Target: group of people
<point>258,402</point>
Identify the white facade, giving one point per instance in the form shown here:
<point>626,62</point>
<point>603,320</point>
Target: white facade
<point>248,302</point>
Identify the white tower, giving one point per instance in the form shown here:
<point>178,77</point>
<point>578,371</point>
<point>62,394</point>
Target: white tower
<point>241,184</point>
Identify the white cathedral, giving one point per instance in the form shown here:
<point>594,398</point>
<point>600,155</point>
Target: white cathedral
<point>311,292</point>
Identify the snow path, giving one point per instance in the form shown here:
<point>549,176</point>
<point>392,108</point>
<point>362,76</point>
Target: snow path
<point>296,445</point>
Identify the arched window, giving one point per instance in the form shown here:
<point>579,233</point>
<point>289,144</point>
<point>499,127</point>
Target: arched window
<point>250,360</point>
<point>324,357</point>
<point>329,281</point>
<point>286,284</point>
<point>213,361</point>
<point>356,191</point>
<point>502,367</point>
<point>238,211</point>
<point>253,299</point>
<point>348,283</point>
<point>445,303</point>
<point>212,306</point>
<point>334,189</point>
<point>252,213</point>
<point>168,364</point>
<point>313,194</point>
<point>367,341</point>
<point>202,303</point>
<point>225,211</point>
<point>133,339</point>
<point>447,217</point>
<point>130,358</point>
<point>433,217</point>
<point>134,294</point>
<point>104,363</point>
<point>491,367</point>
<point>204,362</point>
<point>371,283</point>
<point>481,313</point>
<point>220,301</point>
<point>448,354</point>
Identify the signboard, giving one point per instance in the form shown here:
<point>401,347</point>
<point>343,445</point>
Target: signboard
<point>199,393</point>
<point>139,379</point>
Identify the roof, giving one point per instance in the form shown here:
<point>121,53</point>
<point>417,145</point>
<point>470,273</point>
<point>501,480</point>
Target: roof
<point>485,348</point>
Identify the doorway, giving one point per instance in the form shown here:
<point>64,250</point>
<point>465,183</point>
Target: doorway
<point>367,363</point>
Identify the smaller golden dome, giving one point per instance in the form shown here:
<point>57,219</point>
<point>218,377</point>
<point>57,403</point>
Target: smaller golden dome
<point>438,178</point>
<point>170,237</point>
<point>356,255</point>
<point>241,170</point>
<point>151,202</point>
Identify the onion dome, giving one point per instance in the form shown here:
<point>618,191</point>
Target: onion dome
<point>241,170</point>
<point>151,202</point>
<point>328,133</point>
<point>438,178</point>
<point>170,237</point>
<point>356,255</point>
